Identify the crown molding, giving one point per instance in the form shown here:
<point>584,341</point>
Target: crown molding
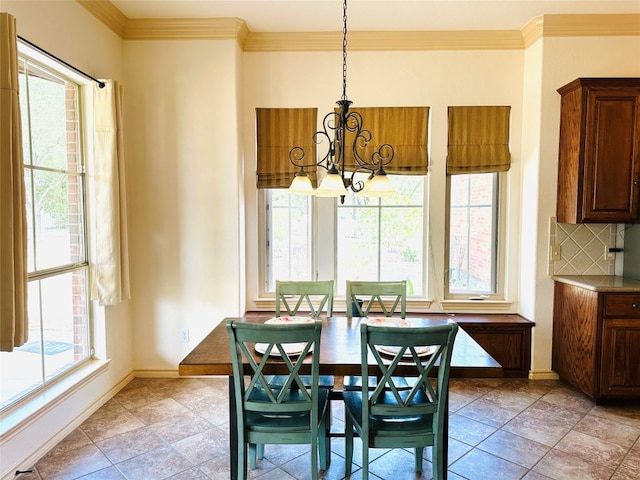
<point>186,29</point>
<point>236,28</point>
<point>581,26</point>
<point>107,13</point>
<point>373,41</point>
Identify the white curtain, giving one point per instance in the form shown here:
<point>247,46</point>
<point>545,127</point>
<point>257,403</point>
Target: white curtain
<point>110,270</point>
<point>13,220</point>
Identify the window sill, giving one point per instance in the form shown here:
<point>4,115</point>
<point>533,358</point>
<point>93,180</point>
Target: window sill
<point>475,306</point>
<point>36,405</point>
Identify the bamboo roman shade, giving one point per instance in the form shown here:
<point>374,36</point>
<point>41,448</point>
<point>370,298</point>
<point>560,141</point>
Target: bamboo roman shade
<point>404,128</point>
<point>478,140</point>
<point>278,130</point>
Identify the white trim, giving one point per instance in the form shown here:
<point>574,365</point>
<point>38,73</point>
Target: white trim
<point>543,375</point>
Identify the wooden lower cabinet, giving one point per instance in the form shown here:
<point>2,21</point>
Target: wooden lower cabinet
<point>507,338</point>
<point>596,341</point>
<point>620,361</point>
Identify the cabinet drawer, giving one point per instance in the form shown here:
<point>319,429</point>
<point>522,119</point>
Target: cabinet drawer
<point>623,305</point>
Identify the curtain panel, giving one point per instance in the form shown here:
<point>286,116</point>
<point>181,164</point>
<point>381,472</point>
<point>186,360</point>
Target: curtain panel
<point>110,271</point>
<point>404,128</point>
<point>478,139</point>
<point>13,220</point>
<point>278,130</point>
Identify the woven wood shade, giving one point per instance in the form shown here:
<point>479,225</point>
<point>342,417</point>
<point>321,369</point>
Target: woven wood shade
<point>404,128</point>
<point>478,139</point>
<point>279,130</point>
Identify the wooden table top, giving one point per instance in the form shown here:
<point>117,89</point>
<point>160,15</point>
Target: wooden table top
<point>339,351</point>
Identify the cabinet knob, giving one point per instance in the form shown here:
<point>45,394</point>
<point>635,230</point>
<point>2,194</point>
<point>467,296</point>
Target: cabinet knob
<point>634,305</point>
<point>637,182</point>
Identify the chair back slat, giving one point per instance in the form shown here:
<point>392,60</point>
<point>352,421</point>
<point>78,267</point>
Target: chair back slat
<point>384,297</point>
<point>317,296</point>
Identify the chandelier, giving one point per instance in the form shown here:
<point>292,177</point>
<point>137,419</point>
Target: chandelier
<point>337,182</point>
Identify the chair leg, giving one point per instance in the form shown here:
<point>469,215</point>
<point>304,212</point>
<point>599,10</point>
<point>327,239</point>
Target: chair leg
<point>348,441</point>
<point>314,459</point>
<point>365,455</point>
<point>242,459</point>
<point>260,451</point>
<point>253,453</point>
<point>322,443</point>
<point>419,452</point>
<point>438,463</point>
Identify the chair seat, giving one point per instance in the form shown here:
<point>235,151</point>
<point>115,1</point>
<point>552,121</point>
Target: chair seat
<point>324,381</point>
<point>389,424</point>
<point>268,422</point>
<point>353,382</point>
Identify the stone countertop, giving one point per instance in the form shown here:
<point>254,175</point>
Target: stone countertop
<point>600,283</point>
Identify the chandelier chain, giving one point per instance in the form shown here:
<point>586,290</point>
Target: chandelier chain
<point>344,50</point>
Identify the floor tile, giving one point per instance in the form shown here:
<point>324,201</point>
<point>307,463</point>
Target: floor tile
<point>516,449</point>
<point>157,464</point>
<point>592,449</point>
<point>467,430</point>
<point>564,466</point>
<point>479,465</point>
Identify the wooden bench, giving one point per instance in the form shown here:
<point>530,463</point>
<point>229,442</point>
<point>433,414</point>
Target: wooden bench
<point>506,337</point>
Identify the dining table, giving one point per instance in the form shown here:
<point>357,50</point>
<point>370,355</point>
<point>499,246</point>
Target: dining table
<point>339,356</point>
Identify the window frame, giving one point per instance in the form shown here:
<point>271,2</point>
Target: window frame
<point>500,242</point>
<point>30,55</point>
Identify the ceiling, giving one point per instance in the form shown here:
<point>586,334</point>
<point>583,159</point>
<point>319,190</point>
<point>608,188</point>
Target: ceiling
<point>372,15</point>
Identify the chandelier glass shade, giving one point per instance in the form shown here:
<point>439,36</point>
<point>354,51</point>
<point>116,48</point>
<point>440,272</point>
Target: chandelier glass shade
<point>343,132</point>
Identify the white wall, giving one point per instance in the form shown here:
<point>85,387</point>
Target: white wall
<point>186,196</point>
<point>81,40</point>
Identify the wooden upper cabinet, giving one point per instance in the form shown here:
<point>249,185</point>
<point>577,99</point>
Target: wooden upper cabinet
<point>599,155</point>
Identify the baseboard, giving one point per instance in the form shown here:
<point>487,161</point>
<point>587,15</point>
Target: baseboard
<point>543,375</point>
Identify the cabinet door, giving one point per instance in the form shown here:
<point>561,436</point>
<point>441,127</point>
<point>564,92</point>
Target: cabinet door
<point>612,156</point>
<point>620,360</point>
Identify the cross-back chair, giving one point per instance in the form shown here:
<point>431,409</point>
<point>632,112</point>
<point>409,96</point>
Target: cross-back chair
<point>365,299</point>
<point>393,417</point>
<point>389,298</point>
<point>317,295</point>
<point>292,413</point>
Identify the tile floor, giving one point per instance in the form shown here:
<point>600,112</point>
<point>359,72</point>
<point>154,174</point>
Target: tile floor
<point>500,429</point>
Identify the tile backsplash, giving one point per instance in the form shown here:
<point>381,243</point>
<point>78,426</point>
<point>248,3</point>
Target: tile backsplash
<point>581,248</point>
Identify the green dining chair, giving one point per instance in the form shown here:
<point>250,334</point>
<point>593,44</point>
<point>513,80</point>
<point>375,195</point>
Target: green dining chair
<point>365,299</point>
<point>317,296</point>
<point>292,413</point>
<point>390,417</point>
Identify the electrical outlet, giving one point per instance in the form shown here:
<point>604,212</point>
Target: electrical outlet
<point>555,253</point>
<point>184,335</point>
<point>608,256</point>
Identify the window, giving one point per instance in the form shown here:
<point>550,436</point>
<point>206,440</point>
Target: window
<point>288,237</point>
<point>473,234</point>
<point>58,307</point>
<point>364,238</point>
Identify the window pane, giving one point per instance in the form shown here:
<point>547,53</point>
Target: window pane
<point>54,135</point>
<point>473,233</point>
<point>383,239</point>
<point>57,219</point>
<point>289,244</point>
<point>58,336</point>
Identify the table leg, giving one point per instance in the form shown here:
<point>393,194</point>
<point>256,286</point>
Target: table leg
<point>233,430</point>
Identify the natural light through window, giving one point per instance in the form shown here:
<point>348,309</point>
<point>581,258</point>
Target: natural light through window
<point>56,229</point>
